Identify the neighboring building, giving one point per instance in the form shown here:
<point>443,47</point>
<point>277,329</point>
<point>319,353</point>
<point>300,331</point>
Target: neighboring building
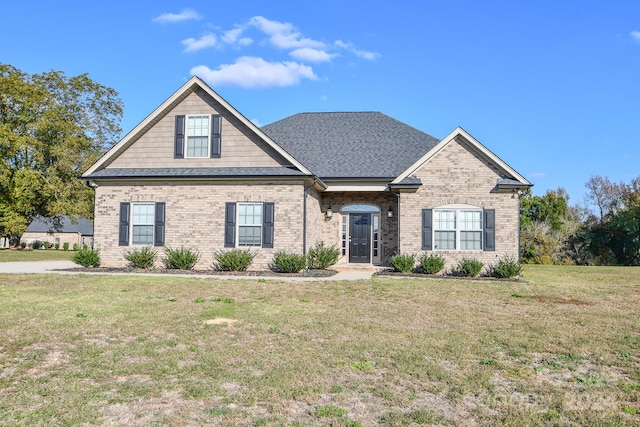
<point>60,229</point>
<point>197,174</point>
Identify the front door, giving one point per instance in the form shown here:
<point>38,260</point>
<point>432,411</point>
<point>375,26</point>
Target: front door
<point>360,237</point>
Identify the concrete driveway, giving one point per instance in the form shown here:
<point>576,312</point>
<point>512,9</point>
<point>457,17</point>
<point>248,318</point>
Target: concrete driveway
<point>26,267</point>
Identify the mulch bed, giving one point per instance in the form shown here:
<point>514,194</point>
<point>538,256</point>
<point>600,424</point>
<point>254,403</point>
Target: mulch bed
<point>249,273</point>
<point>422,275</point>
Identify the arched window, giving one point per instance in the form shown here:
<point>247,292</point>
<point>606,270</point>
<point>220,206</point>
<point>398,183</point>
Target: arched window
<point>360,208</point>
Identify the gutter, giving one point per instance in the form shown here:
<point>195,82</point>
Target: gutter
<point>304,214</point>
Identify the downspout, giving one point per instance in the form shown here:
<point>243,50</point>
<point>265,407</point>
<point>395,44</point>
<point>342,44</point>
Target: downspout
<point>304,216</point>
<point>519,193</point>
<point>93,185</point>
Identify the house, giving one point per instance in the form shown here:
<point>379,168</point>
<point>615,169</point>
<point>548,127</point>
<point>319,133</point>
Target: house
<point>197,174</point>
<point>59,230</point>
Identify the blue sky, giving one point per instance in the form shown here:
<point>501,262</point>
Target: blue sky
<point>552,87</point>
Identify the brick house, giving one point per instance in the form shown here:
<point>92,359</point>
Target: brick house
<point>197,174</point>
<point>59,230</point>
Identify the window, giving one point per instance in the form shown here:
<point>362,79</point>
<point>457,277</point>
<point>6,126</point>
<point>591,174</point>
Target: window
<point>471,230</point>
<point>344,234</point>
<point>444,225</point>
<point>249,224</point>
<point>142,222</point>
<point>457,229</point>
<point>376,235</point>
<point>198,136</point>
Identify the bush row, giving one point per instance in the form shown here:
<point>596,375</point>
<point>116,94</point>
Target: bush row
<point>506,267</point>
<point>37,244</point>
<point>319,257</point>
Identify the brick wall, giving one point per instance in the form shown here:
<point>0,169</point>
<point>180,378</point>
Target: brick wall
<point>460,175</point>
<point>195,216</point>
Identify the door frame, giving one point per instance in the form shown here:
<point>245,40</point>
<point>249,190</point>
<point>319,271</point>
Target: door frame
<point>375,232</point>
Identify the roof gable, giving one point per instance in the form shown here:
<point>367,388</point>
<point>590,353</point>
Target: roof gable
<point>511,175</point>
<point>194,85</point>
<point>351,144</point>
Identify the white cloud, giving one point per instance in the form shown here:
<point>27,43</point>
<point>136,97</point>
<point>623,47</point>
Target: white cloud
<point>234,37</point>
<point>283,35</point>
<point>311,55</point>
<point>369,56</point>
<point>252,72</point>
<point>193,45</point>
<point>636,35</point>
<point>185,15</point>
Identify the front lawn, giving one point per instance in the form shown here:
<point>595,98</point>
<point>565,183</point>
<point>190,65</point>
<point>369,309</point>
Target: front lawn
<point>561,347</point>
<point>17,255</point>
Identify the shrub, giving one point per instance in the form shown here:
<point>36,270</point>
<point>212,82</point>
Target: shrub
<point>23,245</point>
<point>65,246</point>
<point>75,246</point>
<point>87,257</point>
<point>285,262</point>
<point>36,244</point>
<point>321,257</point>
<point>141,258</point>
<point>506,267</point>
<point>403,262</point>
<point>469,267</point>
<point>233,260</point>
<point>57,246</point>
<point>180,259</point>
<point>46,245</point>
<point>432,264</point>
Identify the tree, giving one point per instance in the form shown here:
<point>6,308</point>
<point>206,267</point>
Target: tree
<point>604,194</point>
<point>52,128</point>
<point>551,208</point>
<point>615,237</point>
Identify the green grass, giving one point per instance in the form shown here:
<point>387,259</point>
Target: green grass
<point>561,347</point>
<point>16,255</point>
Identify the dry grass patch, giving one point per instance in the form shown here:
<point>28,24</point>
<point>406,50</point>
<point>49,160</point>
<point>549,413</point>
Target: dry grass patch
<point>101,350</point>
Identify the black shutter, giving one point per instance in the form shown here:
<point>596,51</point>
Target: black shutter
<point>124,224</point>
<point>267,224</point>
<point>158,235</point>
<point>230,225</point>
<point>427,235</point>
<point>216,135</point>
<point>179,140</point>
<point>489,229</point>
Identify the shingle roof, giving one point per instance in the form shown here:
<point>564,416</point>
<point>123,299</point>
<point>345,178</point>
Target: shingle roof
<point>351,144</point>
<point>195,172</point>
<point>61,224</point>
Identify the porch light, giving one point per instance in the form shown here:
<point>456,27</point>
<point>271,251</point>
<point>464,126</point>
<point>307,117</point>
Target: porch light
<point>329,212</point>
<point>389,213</point>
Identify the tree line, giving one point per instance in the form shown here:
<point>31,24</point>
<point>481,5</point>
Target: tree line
<point>607,233</point>
<point>52,128</point>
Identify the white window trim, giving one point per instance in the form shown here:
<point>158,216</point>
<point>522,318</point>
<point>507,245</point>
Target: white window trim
<point>238,225</point>
<point>186,136</point>
<point>133,224</point>
<point>458,230</point>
